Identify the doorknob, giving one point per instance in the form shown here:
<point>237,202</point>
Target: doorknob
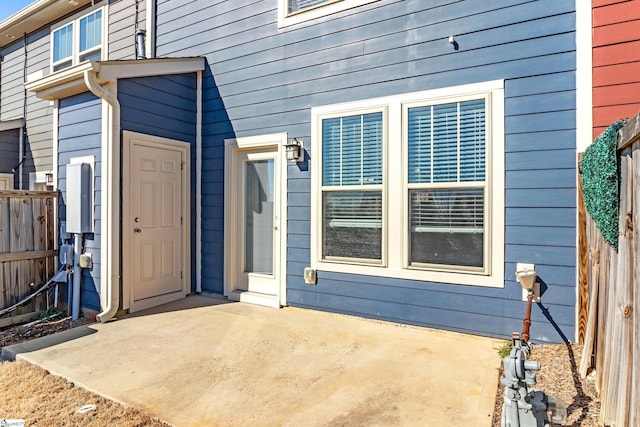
<point>137,230</point>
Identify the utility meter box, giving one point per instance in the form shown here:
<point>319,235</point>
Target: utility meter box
<point>79,198</point>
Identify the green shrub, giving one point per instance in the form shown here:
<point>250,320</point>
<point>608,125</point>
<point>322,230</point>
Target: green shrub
<point>505,350</point>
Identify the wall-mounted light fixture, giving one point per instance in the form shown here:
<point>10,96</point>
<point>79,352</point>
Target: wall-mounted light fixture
<point>294,150</point>
<point>453,42</point>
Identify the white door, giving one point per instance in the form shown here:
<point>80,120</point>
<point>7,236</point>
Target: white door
<point>257,228</point>
<point>156,217</point>
<point>255,221</point>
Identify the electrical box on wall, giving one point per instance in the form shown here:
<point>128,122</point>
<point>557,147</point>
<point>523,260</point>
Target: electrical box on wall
<point>79,199</point>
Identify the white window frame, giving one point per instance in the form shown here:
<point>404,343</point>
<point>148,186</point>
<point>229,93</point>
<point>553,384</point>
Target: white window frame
<point>395,263</point>
<point>331,6</point>
<point>376,187</point>
<point>74,21</point>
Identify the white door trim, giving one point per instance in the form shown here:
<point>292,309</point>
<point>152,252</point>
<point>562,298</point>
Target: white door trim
<point>232,149</point>
<point>128,139</point>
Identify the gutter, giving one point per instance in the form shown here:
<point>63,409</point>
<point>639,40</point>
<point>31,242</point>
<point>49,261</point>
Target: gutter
<point>110,198</point>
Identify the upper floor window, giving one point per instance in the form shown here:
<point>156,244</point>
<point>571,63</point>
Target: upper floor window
<point>298,5</point>
<point>78,40</point>
<point>295,11</point>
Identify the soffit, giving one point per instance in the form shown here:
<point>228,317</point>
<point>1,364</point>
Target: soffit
<point>35,16</point>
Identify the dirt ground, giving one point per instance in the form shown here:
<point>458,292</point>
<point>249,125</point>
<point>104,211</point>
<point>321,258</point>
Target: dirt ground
<point>32,394</point>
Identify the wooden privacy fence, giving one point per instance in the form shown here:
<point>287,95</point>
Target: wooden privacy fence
<point>27,248</point>
<point>609,295</point>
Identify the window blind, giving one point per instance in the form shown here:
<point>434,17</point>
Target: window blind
<point>352,160</point>
<point>352,224</point>
<point>447,227</point>
<point>352,150</point>
<point>453,211</point>
<point>447,142</point>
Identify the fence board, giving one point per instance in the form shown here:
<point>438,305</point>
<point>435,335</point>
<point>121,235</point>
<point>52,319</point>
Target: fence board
<point>5,236</point>
<point>634,398</point>
<point>27,247</point>
<point>592,276</point>
<point>583,268</point>
<point>608,334</point>
<point>619,344</point>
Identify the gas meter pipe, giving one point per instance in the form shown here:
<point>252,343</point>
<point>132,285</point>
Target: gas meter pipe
<point>527,318</point>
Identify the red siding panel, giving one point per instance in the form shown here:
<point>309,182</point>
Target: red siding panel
<point>616,95</point>
<point>604,116</point>
<point>600,3</point>
<point>616,54</point>
<point>616,75</point>
<point>616,33</point>
<point>616,13</point>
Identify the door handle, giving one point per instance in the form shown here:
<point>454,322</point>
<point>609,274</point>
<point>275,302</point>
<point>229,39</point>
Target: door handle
<point>137,230</point>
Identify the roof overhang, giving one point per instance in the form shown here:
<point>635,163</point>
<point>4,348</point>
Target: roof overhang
<point>70,81</point>
<point>35,16</point>
<point>11,124</point>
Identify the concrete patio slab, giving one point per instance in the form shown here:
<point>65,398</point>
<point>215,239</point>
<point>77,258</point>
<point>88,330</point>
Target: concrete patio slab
<point>204,362</point>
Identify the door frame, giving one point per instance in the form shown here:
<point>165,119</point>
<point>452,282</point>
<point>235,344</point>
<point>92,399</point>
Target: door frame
<point>128,140</point>
<point>233,147</point>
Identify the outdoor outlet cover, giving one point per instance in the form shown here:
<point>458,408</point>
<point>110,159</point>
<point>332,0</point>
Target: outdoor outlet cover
<point>309,276</point>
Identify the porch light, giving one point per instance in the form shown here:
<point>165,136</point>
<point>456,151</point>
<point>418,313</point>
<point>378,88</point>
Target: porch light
<point>294,150</point>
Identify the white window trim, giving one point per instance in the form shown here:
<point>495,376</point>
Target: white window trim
<point>332,6</point>
<point>395,258</point>
<point>75,31</point>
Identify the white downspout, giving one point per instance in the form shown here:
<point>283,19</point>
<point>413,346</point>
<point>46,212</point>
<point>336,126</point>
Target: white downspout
<point>110,199</point>
<point>21,154</point>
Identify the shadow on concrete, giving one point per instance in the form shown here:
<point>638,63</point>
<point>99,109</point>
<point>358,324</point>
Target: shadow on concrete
<point>190,302</point>
<point>10,352</point>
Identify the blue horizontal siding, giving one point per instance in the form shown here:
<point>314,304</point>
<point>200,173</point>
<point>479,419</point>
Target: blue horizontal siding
<point>261,80</point>
<point>163,106</point>
<point>542,141</point>
<point>80,134</point>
